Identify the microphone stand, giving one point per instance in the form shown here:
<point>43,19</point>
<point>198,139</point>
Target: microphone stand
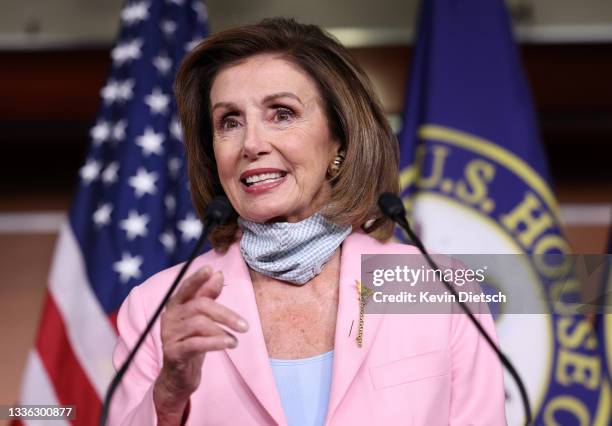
<point>393,208</point>
<point>217,213</point>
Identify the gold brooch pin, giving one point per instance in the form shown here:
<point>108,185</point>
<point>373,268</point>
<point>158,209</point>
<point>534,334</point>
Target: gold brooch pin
<point>364,294</point>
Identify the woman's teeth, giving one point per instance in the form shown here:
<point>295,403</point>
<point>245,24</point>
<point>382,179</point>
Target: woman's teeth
<point>254,179</point>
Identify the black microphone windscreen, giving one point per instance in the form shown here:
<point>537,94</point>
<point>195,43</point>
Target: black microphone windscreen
<point>219,209</point>
<point>391,205</point>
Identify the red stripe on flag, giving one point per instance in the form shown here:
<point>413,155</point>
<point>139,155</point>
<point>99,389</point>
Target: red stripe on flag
<point>70,382</point>
<point>112,317</point>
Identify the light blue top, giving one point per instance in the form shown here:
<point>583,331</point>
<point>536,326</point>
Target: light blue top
<point>304,385</point>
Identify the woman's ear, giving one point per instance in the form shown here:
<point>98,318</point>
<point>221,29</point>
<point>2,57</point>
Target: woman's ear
<point>337,147</point>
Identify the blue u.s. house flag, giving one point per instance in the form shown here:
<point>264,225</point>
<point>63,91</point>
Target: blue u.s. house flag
<point>604,313</point>
<point>474,178</point>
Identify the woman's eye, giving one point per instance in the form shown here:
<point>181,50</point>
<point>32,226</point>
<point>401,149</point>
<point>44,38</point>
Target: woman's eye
<point>283,114</point>
<point>228,123</point>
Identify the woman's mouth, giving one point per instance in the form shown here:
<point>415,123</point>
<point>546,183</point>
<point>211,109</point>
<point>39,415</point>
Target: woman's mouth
<point>262,179</point>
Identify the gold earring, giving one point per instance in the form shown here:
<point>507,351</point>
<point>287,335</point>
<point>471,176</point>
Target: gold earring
<point>334,167</point>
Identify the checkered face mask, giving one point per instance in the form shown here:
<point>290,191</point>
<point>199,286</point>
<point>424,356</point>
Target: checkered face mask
<point>293,252</point>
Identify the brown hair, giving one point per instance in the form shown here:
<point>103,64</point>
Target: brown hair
<point>354,115</point>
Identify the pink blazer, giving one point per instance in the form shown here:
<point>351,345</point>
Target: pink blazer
<point>411,370</point>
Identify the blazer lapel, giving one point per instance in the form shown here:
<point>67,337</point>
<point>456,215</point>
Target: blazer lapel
<point>250,357</point>
<point>348,357</point>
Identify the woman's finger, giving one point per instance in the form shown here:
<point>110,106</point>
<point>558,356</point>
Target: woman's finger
<point>191,285</point>
<point>213,287</point>
<point>198,326</point>
<point>198,345</point>
<point>215,311</point>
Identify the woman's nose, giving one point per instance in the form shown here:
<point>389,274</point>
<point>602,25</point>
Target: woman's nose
<point>255,143</point>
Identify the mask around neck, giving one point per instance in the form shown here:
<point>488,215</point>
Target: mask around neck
<point>292,252</point>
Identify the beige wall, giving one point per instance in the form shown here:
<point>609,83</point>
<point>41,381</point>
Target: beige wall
<point>24,263</point>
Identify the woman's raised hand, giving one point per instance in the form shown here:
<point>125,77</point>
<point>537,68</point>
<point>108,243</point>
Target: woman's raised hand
<point>190,327</point>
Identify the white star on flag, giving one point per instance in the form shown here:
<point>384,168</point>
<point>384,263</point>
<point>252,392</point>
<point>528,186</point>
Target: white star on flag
<point>174,166</point>
<point>200,9</point>
<point>109,175</point>
<point>168,27</point>
<point>157,101</point>
<point>193,43</point>
<point>135,12</point>
<point>190,227</point>
<point>119,130</point>
<point>170,203</point>
<point>177,2</point>
<point>101,216</point>
<point>175,129</point>
<point>110,92</point>
<point>168,240</point>
<point>100,132</point>
<point>162,63</point>
<point>90,171</point>
<point>150,142</point>
<point>117,91</point>
<point>135,225</point>
<point>128,267</point>
<point>143,182</point>
<point>125,90</point>
<point>126,52</point>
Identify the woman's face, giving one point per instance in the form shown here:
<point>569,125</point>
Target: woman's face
<point>271,140</point>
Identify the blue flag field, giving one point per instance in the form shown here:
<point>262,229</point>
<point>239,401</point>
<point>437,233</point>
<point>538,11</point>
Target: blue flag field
<point>474,178</point>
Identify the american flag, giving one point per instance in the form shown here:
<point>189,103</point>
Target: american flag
<point>132,214</point>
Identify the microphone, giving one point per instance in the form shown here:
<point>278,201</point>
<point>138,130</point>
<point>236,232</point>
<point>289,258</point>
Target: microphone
<point>392,207</point>
<point>217,212</point>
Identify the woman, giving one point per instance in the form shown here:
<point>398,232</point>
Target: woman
<point>267,330</point>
